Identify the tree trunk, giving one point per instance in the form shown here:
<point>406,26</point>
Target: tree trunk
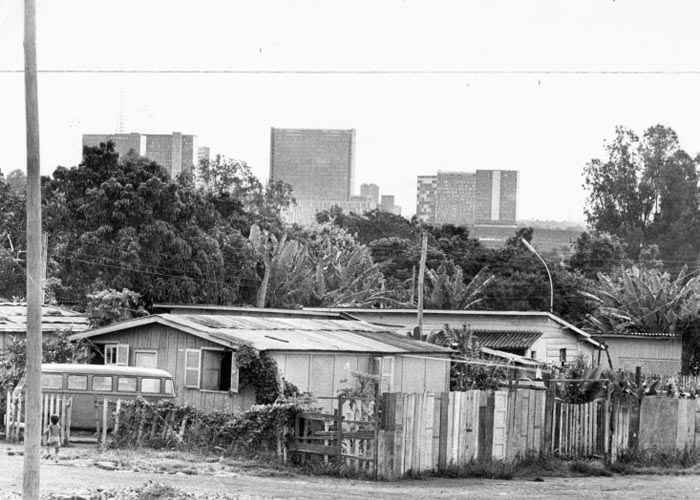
<point>262,291</point>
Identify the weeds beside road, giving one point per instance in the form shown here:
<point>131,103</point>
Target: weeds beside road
<point>83,469</point>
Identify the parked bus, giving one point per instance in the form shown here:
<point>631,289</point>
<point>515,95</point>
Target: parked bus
<point>88,385</point>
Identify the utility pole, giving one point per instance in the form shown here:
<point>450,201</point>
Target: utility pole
<point>32,426</point>
<point>421,279</point>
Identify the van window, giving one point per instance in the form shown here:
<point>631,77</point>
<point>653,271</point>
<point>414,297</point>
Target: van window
<point>150,385</point>
<point>126,384</point>
<point>52,381</point>
<point>77,382</point>
<point>169,389</point>
<point>100,383</point>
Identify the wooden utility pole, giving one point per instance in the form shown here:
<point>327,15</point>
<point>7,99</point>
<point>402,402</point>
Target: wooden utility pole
<point>32,426</point>
<point>421,280</point>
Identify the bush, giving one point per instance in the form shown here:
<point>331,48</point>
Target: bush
<point>167,425</point>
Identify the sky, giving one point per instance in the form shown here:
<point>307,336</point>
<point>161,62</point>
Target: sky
<point>515,114</point>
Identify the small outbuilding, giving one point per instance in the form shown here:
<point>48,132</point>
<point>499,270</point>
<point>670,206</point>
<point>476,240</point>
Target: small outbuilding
<point>317,352</point>
<point>656,353</point>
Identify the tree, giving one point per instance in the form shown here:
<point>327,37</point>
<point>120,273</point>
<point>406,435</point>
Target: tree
<point>371,226</point>
<point>643,300</point>
<point>446,288</point>
<point>646,193</point>
<point>125,224</point>
<point>597,253</point>
<point>109,306</point>
<point>12,240</point>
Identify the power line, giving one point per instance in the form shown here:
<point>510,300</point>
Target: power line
<point>370,72</point>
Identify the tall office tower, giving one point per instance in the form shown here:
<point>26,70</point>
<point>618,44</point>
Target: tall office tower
<point>454,198</point>
<point>371,193</point>
<point>387,203</point>
<point>318,164</point>
<point>496,196</point>
<point>175,152</point>
<point>203,153</point>
<point>425,199</point>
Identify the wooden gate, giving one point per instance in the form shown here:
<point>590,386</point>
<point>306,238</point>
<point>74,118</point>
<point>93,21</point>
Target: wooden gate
<point>347,437</point>
<point>52,404</point>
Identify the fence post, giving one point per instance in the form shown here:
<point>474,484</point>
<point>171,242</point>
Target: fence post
<point>548,430</point>
<point>105,420</point>
<point>339,428</point>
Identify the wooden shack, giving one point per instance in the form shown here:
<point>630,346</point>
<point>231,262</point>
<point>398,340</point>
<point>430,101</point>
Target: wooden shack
<point>317,353</point>
<point>54,319</point>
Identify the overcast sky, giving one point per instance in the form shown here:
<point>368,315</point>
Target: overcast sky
<point>547,126</point>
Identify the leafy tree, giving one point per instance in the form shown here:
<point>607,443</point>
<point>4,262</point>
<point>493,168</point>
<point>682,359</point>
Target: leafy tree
<point>643,300</point>
<point>446,288</point>
<point>240,196</point>
<point>597,253</point>
<point>371,226</point>
<point>646,193</point>
<point>125,224</point>
<point>109,306</point>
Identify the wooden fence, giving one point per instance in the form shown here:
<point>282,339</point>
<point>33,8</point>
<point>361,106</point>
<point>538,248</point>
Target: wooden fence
<point>348,436</point>
<point>52,404</point>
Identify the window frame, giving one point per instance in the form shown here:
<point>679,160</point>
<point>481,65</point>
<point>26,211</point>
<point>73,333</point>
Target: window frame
<point>130,377</point>
<point>160,385</point>
<point>198,368</point>
<point>562,356</point>
<point>146,351</point>
<point>60,388</point>
<point>111,385</point>
<point>67,382</point>
<point>201,363</point>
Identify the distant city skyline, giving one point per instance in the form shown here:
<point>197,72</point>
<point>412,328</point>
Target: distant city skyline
<point>543,106</point>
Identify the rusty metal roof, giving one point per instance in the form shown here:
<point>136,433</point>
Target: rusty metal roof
<point>507,339</point>
<point>13,319</point>
<point>283,334</point>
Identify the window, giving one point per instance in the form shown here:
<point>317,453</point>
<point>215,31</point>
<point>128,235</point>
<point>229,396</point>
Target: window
<point>533,354</point>
<point>100,383</point>
<point>52,381</point>
<point>216,370</point>
<point>150,385</point>
<point>169,388</point>
<point>117,354</point>
<point>111,354</point>
<point>192,366</point>
<point>77,382</point>
<point>126,384</point>
<point>146,359</point>
<point>562,356</point>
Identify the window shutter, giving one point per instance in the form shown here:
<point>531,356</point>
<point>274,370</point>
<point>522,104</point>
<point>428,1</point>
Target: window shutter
<point>123,354</point>
<point>387,373</point>
<point>193,365</point>
<point>234,374</point>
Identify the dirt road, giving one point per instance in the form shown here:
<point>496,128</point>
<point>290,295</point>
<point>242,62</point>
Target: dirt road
<point>67,477</point>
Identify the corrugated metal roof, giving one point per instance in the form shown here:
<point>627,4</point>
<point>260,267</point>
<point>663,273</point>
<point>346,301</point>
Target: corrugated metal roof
<point>507,339</point>
<point>639,334</point>
<point>284,334</point>
<point>13,319</point>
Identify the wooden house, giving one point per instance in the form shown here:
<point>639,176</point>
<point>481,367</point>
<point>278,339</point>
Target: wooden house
<point>656,353</point>
<point>317,352</point>
<point>541,336</point>
<point>54,319</point>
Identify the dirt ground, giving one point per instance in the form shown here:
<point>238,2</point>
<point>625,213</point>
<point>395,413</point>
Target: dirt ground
<point>82,469</point>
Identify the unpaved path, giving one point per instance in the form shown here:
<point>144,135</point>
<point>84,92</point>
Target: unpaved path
<point>66,477</point>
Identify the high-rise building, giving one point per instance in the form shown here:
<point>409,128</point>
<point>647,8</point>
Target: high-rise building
<point>485,197</point>
<point>454,198</point>
<point>387,203</point>
<point>371,193</point>
<point>497,193</point>
<point>203,153</point>
<point>425,199</point>
<point>175,152</point>
<point>318,164</point>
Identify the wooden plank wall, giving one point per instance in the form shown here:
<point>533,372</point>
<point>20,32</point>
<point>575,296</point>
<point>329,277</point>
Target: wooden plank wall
<point>434,432</point>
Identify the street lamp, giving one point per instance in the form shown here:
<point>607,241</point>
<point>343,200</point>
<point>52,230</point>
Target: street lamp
<point>549,275</point>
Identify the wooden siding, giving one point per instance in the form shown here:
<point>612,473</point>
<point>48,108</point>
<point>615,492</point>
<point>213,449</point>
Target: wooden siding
<point>170,344</point>
<point>660,356</point>
<point>554,336</point>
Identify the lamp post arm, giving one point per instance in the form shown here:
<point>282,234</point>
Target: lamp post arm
<point>546,268</point>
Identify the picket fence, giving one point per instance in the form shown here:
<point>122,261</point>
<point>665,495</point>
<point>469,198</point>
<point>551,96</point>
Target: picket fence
<point>52,404</point>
